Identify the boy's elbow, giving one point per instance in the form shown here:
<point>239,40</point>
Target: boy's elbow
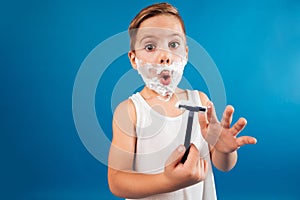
<point>225,169</point>
<point>114,190</point>
<point>114,186</point>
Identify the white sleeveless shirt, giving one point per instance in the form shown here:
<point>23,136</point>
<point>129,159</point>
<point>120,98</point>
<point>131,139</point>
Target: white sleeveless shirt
<point>158,136</point>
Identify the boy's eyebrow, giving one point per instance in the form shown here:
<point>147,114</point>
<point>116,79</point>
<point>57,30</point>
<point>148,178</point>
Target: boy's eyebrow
<point>148,37</point>
<point>155,37</point>
<point>178,35</point>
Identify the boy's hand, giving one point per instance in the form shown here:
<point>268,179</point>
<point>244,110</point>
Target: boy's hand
<point>179,175</point>
<point>221,135</point>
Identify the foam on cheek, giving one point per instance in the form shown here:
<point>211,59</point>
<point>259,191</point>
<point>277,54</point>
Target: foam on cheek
<point>153,74</point>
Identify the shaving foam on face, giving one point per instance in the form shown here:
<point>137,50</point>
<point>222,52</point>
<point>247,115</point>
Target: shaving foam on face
<point>163,79</point>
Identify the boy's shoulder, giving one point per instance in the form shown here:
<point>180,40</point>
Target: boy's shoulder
<point>125,105</point>
<point>125,109</point>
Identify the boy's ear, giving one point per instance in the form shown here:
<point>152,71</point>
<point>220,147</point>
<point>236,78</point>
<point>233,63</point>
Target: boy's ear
<point>131,56</point>
<point>187,52</point>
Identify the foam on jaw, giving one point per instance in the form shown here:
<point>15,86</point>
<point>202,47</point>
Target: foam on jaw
<point>150,74</point>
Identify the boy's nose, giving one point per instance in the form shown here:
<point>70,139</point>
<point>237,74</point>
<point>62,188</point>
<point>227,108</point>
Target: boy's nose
<point>164,58</point>
<point>164,61</point>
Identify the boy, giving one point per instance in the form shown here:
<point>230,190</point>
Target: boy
<point>145,160</point>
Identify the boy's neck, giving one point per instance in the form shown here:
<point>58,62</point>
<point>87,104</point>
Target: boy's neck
<point>149,94</point>
<point>166,108</point>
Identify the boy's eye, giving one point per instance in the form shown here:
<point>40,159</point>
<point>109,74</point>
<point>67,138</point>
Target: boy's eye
<point>150,47</point>
<point>174,45</point>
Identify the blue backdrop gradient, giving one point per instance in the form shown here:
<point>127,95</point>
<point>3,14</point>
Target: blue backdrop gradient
<point>255,44</point>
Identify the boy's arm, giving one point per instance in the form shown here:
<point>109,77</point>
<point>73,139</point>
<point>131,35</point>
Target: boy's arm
<point>221,137</point>
<point>123,182</point>
<point>223,161</point>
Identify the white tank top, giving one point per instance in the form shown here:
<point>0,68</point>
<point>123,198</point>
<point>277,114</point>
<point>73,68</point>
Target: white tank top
<point>158,136</point>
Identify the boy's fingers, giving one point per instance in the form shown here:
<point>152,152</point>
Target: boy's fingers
<point>211,113</point>
<point>209,110</point>
<point>205,168</point>
<point>246,140</point>
<point>193,157</point>
<point>227,117</point>
<point>176,156</point>
<point>238,126</point>
<point>202,168</point>
<point>202,121</point>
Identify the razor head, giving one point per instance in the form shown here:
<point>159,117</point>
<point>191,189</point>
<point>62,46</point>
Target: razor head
<point>191,108</point>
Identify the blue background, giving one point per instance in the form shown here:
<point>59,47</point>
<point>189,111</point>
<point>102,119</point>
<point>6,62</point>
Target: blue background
<point>255,44</point>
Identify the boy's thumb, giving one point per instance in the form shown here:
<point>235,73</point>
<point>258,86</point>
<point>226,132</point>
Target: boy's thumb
<point>176,156</point>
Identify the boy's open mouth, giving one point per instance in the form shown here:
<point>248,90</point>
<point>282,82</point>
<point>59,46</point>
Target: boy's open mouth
<point>165,78</point>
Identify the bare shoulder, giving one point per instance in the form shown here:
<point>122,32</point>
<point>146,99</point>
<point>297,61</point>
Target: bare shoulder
<point>125,112</point>
<point>203,97</point>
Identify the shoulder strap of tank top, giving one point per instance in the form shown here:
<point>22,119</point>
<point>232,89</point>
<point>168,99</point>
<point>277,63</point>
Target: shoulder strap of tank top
<point>194,97</point>
<point>136,102</point>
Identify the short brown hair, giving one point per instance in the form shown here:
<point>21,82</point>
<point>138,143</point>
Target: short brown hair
<point>148,12</point>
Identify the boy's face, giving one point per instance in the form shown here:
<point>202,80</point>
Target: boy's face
<point>160,40</point>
